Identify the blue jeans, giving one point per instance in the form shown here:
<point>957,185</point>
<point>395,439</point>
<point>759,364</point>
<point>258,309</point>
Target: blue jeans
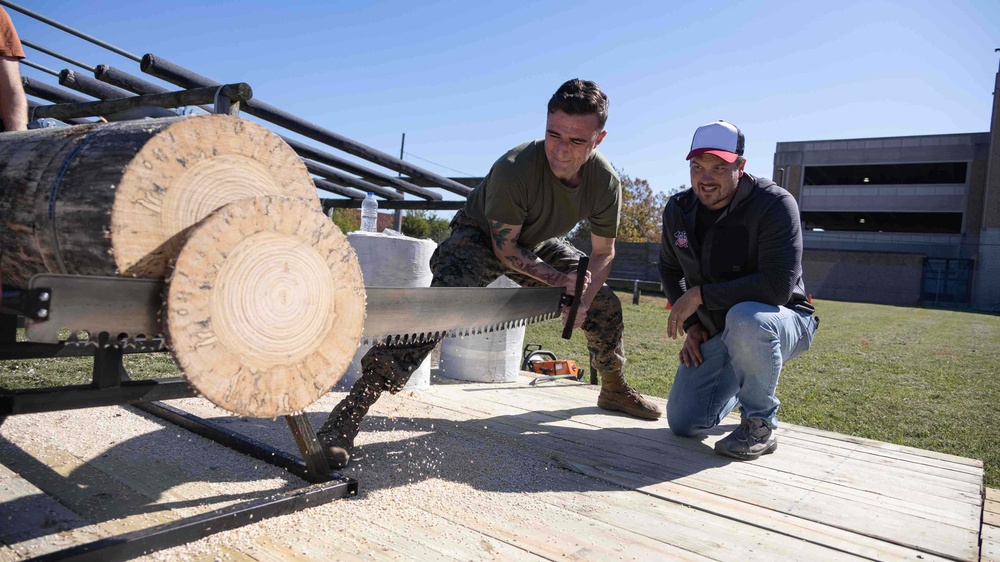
<point>742,364</point>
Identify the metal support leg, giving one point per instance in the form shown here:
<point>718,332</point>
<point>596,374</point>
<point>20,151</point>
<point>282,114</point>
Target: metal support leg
<point>8,328</point>
<point>305,437</point>
<point>312,470</point>
<point>108,369</point>
<point>138,543</point>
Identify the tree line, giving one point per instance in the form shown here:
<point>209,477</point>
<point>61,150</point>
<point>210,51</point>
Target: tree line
<point>642,211</point>
<point>641,216</point>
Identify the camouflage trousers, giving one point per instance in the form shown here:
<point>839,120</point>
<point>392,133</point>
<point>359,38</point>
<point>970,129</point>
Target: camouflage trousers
<point>466,259</point>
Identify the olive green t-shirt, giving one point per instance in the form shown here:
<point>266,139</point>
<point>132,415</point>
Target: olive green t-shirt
<point>521,189</point>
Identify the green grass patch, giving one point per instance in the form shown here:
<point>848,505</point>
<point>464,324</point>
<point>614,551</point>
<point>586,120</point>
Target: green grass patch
<point>918,377</point>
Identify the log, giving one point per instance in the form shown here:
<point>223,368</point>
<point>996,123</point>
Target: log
<point>265,306</point>
<point>117,198</point>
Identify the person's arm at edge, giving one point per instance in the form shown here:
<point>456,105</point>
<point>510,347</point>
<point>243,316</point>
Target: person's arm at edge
<point>517,257</point>
<point>13,104</point>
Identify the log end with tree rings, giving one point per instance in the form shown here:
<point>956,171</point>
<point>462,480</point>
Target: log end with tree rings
<point>265,306</point>
<point>188,170</point>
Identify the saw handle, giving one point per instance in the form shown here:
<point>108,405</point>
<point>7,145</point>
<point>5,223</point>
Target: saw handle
<point>581,274</point>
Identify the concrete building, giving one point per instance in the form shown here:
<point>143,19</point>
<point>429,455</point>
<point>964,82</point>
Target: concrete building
<point>900,220</point>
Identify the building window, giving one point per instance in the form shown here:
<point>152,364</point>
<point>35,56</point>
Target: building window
<point>887,174</point>
<point>938,223</point>
<point>947,281</point>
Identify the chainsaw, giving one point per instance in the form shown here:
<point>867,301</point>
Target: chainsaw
<point>545,363</point>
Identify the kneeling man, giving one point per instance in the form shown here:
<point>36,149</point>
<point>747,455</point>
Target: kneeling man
<point>731,265</point>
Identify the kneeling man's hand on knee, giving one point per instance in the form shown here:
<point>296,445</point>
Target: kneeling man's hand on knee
<point>690,353</point>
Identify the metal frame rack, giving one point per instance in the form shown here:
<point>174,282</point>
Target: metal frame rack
<point>344,178</point>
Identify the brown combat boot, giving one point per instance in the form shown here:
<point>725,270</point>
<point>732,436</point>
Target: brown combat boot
<point>616,395</point>
<point>336,437</point>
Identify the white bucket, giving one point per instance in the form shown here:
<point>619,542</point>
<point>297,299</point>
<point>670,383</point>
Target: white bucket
<point>391,260</point>
<point>494,357</point>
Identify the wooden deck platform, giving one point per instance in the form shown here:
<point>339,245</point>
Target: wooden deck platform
<point>467,471</point>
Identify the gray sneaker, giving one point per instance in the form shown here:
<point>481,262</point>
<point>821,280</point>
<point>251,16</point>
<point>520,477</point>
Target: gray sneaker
<point>750,440</point>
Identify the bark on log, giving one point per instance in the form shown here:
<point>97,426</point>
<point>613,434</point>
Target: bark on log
<point>265,306</point>
<point>117,198</point>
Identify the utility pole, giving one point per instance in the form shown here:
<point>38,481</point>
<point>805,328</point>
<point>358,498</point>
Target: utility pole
<point>397,217</point>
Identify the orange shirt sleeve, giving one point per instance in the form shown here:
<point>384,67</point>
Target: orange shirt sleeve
<point>10,43</point>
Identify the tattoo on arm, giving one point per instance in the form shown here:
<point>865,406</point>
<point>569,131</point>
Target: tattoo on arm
<point>527,262</point>
<point>521,258</point>
<point>500,234</point>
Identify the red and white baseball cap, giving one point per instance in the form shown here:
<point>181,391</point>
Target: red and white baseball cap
<point>722,139</point>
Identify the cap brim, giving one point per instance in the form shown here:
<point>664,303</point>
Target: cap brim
<point>725,155</point>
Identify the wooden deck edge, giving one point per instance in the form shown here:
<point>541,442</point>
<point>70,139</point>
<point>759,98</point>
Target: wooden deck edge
<point>970,463</point>
<point>989,534</point>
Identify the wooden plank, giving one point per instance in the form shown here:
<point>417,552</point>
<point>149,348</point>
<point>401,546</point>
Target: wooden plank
<point>967,463</point>
<point>130,473</point>
<point>920,485</point>
<point>560,390</point>
<point>991,513</point>
<point>967,471</point>
<point>791,526</point>
<point>893,478</point>
<point>456,522</point>
<point>95,496</point>
<point>948,474</point>
<point>990,550</point>
<point>937,479</point>
<point>358,531</point>
<point>691,530</point>
<point>962,463</point>
<point>33,523</point>
<point>862,513</point>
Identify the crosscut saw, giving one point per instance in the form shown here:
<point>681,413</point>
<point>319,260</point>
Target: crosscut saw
<point>128,310</point>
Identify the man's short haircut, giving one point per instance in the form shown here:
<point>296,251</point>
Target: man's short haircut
<point>581,97</point>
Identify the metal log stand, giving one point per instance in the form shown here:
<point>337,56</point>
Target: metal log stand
<point>111,384</point>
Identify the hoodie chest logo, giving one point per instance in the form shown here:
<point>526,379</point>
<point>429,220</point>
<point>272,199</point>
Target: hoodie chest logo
<point>681,239</point>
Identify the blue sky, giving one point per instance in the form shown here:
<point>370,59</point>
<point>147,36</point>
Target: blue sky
<point>468,80</point>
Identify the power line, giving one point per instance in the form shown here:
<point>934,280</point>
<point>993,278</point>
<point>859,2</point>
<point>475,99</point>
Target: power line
<point>412,155</point>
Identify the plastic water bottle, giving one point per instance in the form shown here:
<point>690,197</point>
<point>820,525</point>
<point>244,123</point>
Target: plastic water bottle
<point>369,213</point>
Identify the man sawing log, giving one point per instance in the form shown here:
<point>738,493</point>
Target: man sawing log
<point>513,224</point>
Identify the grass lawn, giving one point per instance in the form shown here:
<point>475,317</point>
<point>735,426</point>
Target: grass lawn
<point>912,376</point>
<point>918,377</point>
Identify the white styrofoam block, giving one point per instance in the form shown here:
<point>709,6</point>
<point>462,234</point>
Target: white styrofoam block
<point>494,357</point>
<point>391,260</point>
